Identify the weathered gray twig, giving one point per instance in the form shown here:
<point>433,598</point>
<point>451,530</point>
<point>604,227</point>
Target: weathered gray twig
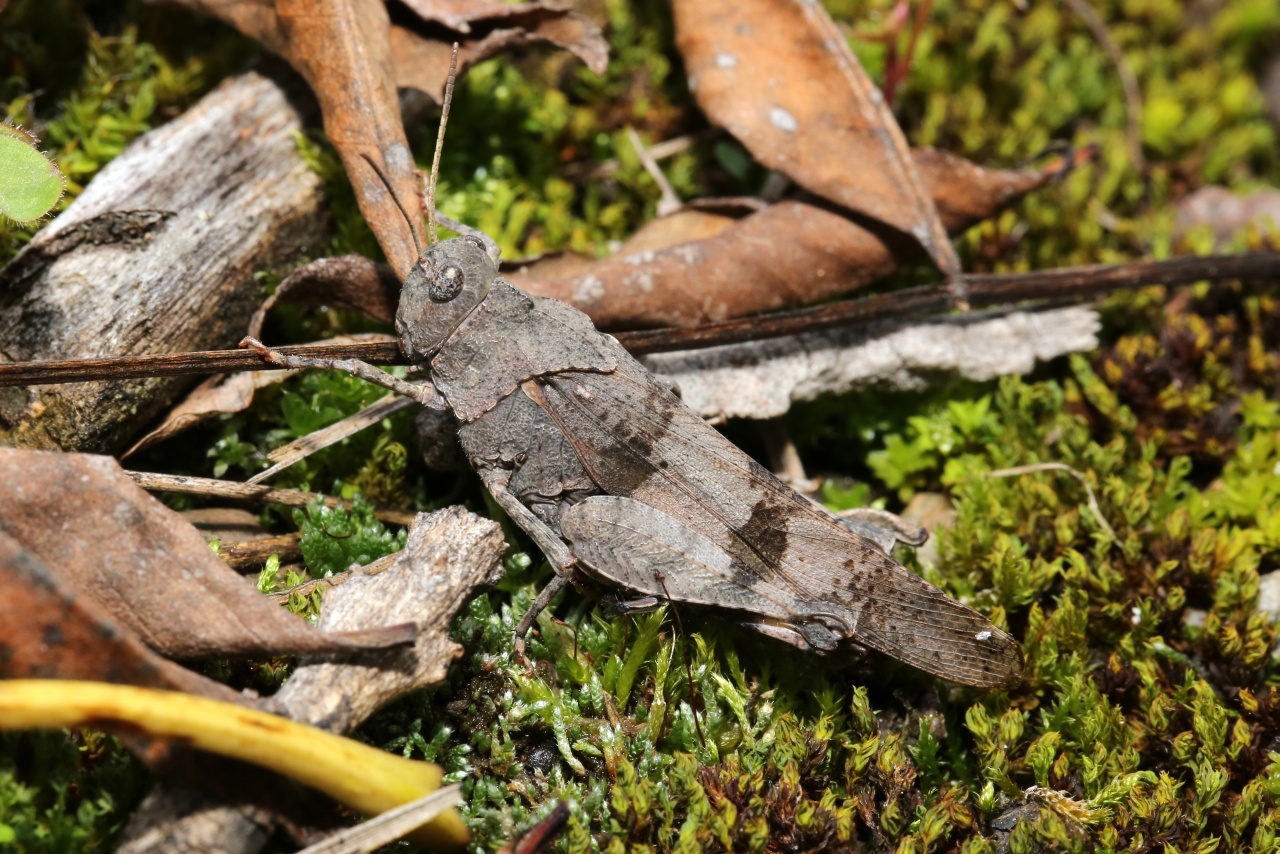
<point>252,492</point>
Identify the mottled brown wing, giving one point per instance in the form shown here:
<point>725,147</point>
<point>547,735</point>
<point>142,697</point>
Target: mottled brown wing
<point>649,552</point>
<point>636,439</point>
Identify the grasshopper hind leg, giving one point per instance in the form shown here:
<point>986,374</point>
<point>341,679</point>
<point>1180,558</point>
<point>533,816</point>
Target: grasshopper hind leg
<point>496,480</point>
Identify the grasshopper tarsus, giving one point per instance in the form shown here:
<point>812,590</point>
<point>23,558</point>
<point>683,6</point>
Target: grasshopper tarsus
<point>545,595</point>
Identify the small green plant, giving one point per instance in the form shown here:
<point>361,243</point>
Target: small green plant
<point>334,538</point>
<point>30,183</point>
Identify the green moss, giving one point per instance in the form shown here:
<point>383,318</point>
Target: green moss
<point>87,95</point>
<point>333,538</point>
<point>61,792</point>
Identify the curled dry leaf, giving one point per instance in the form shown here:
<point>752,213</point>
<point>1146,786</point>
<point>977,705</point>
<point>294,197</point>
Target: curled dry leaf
<point>486,29</point>
<point>217,395</point>
<point>779,75</point>
<point>792,253</point>
<point>86,520</point>
<point>48,631</point>
<point>350,283</point>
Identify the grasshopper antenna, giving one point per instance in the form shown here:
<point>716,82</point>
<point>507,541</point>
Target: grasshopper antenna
<point>432,237</point>
<point>413,231</point>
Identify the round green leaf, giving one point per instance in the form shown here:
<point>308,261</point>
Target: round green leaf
<point>30,185</point>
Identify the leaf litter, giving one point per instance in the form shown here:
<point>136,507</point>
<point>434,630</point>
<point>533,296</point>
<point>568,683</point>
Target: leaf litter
<point>87,521</point>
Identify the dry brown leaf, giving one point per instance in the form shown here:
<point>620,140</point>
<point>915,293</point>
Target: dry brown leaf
<point>706,265</point>
<point>789,254</point>
<point>486,29</point>
<point>49,632</point>
<point>779,75</point>
<point>342,49</point>
<point>84,519</point>
<point>217,395</point>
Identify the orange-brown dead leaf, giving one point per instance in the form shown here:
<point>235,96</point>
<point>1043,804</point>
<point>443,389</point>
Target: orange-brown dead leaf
<point>779,75</point>
<point>792,253</point>
<point>47,631</point>
<point>711,264</point>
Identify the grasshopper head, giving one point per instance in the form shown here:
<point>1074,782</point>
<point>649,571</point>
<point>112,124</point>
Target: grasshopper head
<point>450,279</point>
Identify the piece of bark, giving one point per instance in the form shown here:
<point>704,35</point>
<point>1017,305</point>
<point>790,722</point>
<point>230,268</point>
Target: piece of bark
<point>250,556</point>
<point>158,255</point>
<point>761,379</point>
<point>85,519</point>
<point>449,556</point>
<point>779,75</point>
<point>181,819</point>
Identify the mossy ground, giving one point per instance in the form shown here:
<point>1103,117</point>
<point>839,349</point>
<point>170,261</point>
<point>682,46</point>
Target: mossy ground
<point>1149,719</point>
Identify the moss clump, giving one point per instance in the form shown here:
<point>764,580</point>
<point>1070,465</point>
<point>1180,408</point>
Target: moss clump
<point>124,86</point>
<point>61,792</point>
<point>1148,712</point>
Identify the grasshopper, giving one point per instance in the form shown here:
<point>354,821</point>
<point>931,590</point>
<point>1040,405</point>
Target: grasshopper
<point>617,481</point>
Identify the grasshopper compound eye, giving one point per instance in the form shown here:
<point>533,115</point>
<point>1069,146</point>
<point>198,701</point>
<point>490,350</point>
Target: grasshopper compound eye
<point>447,283</point>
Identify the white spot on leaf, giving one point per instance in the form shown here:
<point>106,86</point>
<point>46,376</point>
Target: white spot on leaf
<point>983,636</point>
<point>588,289</point>
<point>726,60</point>
<point>783,120</point>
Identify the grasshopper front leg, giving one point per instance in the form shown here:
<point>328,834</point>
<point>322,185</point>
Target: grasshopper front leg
<point>423,393</point>
<point>561,558</point>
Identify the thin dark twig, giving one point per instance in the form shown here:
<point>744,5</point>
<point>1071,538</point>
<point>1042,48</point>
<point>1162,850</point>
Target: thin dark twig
<point>985,291</point>
<point>183,364</point>
<point>256,493</point>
